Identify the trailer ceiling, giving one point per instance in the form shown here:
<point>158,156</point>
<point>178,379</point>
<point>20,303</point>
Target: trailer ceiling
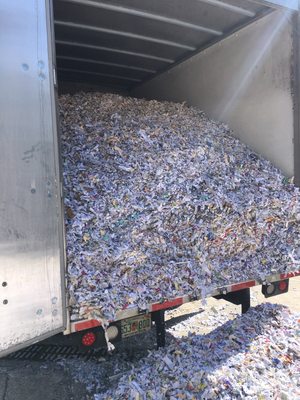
<point>121,43</point>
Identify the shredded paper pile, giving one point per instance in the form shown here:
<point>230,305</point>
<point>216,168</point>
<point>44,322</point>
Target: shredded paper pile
<point>255,357</point>
<point>161,201</point>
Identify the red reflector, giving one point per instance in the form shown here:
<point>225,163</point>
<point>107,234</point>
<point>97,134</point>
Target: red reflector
<point>88,339</point>
<point>282,286</point>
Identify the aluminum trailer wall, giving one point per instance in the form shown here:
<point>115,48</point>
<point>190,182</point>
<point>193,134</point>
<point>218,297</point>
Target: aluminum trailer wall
<point>245,80</point>
<point>32,304</point>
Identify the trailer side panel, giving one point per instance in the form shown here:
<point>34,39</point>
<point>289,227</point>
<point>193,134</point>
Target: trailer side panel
<point>245,80</point>
<point>31,237</point>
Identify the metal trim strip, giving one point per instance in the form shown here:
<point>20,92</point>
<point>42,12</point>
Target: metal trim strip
<point>113,50</point>
<point>88,60</point>
<point>55,113</point>
<point>148,15</point>
<point>125,34</point>
<point>296,88</point>
<point>100,74</point>
<point>230,7</point>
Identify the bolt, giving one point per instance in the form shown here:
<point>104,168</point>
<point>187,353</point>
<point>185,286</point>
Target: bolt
<point>4,284</point>
<point>33,190</point>
<point>41,64</point>
<point>5,301</point>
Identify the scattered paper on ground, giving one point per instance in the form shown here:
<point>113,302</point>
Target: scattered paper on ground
<point>255,356</point>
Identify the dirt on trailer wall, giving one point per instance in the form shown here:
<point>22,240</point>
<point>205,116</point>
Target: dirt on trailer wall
<point>161,202</point>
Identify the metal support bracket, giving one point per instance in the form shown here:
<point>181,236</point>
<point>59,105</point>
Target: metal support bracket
<point>159,318</point>
<point>240,297</point>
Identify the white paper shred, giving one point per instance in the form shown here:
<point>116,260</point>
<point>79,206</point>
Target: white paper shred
<point>161,201</point>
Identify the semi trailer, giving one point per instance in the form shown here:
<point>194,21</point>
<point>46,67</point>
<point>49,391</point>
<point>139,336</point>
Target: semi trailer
<point>235,60</point>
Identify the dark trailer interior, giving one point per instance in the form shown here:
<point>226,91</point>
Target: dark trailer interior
<point>233,59</point>
<point>118,45</point>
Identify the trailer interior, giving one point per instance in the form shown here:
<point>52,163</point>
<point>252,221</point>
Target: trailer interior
<point>237,60</point>
<point>118,45</point>
<point>221,56</point>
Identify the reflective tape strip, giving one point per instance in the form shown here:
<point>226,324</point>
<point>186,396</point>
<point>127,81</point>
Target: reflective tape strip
<point>290,275</point>
<point>88,324</point>
<point>244,285</point>
<point>167,304</point>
